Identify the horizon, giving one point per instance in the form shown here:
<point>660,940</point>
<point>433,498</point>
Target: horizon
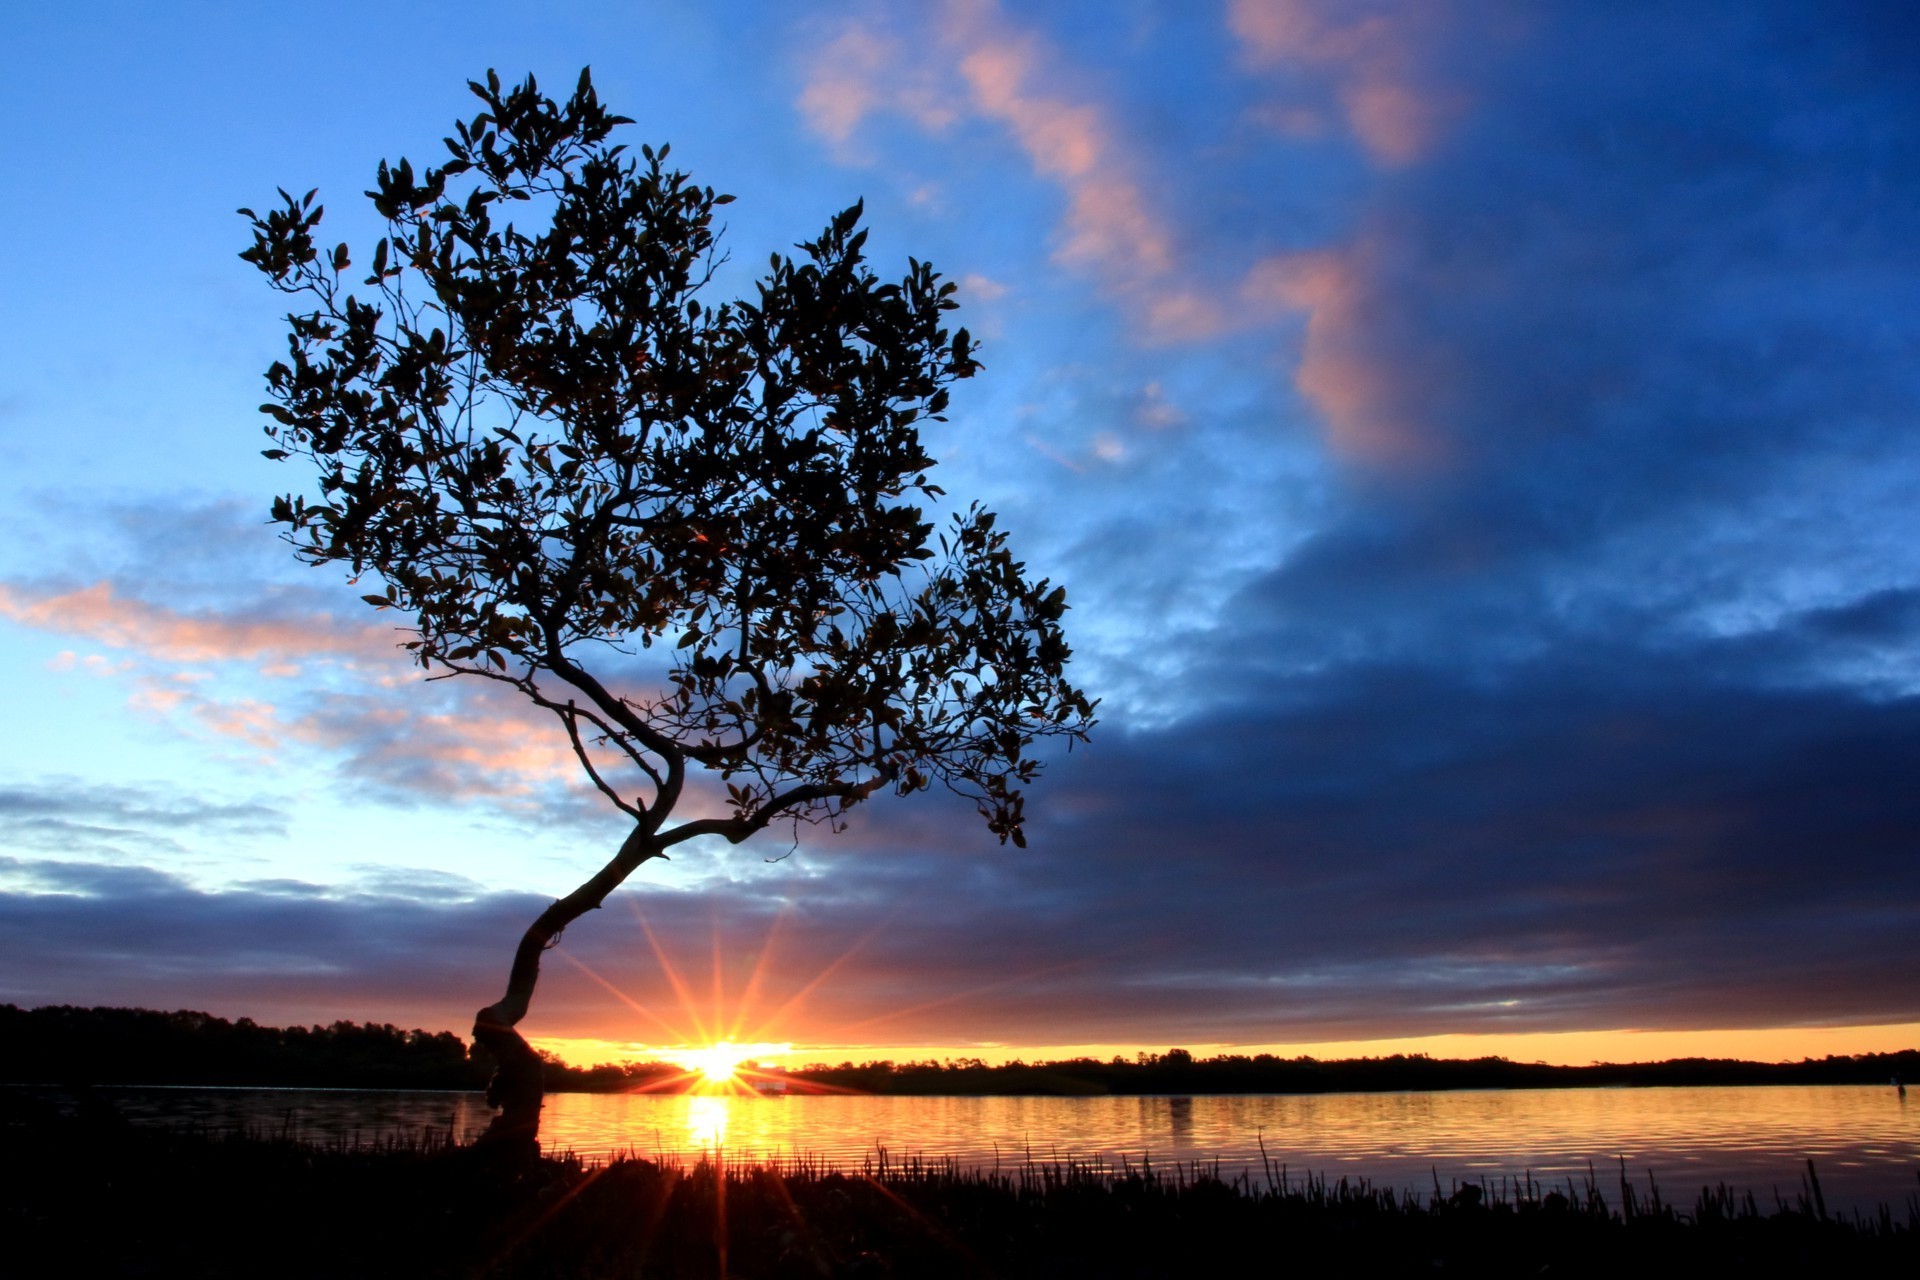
<point>1774,1045</point>
<point>1479,454</point>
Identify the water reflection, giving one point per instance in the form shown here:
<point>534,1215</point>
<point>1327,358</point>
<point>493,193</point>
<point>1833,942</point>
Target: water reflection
<point>1867,1146</point>
<point>1180,1111</point>
<point>706,1121</point>
<point>1864,1141</point>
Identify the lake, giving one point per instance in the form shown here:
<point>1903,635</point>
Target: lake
<point>1863,1139</point>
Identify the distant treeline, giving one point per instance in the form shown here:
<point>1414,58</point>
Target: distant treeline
<point>60,1044</point>
<point>1179,1072</point>
<point>67,1045</point>
<point>63,1044</point>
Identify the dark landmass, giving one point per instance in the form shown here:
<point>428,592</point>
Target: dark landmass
<point>107,1199</point>
<point>63,1044</point>
<point>105,1046</point>
<point>1178,1072</point>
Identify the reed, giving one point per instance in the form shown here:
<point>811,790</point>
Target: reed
<point>109,1199</point>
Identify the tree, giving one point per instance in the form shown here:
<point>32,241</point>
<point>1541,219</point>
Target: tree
<point>571,469</point>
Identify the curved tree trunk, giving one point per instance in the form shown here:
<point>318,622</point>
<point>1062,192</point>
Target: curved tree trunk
<point>518,1085</point>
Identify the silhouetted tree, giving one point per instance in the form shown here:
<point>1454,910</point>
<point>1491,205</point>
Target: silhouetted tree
<point>550,448</point>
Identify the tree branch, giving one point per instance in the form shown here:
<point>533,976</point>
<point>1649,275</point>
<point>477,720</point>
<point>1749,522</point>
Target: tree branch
<point>741,828</point>
<point>570,718</point>
<point>638,847</point>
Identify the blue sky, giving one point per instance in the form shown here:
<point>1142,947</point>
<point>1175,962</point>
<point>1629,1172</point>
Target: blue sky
<point>1478,440</point>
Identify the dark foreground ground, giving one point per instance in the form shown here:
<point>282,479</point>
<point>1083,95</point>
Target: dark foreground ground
<point>89,1196</point>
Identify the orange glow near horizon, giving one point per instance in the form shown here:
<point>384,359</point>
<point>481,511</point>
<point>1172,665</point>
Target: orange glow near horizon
<point>1564,1048</point>
<point>724,1063</point>
<point>717,1042</point>
<point>722,1040</point>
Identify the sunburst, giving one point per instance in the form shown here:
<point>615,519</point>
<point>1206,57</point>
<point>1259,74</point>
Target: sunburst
<point>720,1066</point>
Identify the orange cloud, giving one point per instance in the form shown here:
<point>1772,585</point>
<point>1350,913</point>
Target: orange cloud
<point>1390,103</point>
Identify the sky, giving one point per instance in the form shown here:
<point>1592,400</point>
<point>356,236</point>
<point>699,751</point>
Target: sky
<point>1479,441</point>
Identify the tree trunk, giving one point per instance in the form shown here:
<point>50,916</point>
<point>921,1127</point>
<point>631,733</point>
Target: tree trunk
<point>518,1082</point>
<point>515,1091</point>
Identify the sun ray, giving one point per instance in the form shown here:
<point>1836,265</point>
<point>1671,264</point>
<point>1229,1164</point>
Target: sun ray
<point>673,1031</point>
<point>983,989</point>
<point>793,1001</point>
<point>729,1065</point>
<point>716,1008</point>
<point>680,991</point>
<point>957,1247</point>
<point>750,996</point>
<point>804,1232</point>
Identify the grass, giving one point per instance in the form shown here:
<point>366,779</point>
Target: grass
<point>98,1197</point>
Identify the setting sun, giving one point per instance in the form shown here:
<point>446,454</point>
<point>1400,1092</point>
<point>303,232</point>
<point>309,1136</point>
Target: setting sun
<point>718,1063</point>
<point>721,1064</point>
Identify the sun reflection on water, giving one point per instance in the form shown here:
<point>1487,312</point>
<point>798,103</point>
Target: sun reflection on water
<point>706,1121</point>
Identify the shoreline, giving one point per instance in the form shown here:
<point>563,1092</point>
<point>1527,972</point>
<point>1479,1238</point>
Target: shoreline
<point>197,1204</point>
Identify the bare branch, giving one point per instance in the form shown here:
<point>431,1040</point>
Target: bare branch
<point>570,718</point>
<point>795,799</point>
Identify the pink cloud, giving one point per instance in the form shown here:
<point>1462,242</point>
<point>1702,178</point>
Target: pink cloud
<point>982,288</point>
<point>249,720</point>
<point>1385,65</point>
<point>1109,227</point>
<point>1392,101</point>
<point>486,745</point>
<point>984,66</point>
<point>473,742</point>
<point>445,741</point>
<point>863,72</point>
<point>1363,404</point>
<point>123,622</point>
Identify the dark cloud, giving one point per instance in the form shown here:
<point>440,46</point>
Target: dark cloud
<point>278,951</point>
<point>1603,839</point>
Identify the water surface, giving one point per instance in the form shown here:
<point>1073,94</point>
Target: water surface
<point>1864,1140</point>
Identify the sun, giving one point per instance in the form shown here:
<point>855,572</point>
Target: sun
<point>719,1063</point>
<point>725,1067</point>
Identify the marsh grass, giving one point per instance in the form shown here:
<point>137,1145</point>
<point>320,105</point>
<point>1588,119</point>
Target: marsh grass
<point>99,1197</point>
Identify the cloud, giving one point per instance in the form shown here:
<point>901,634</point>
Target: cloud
<point>460,745</point>
<point>1601,838</point>
<point>279,952</point>
<point>1587,695</point>
<point>272,640</point>
<point>66,815</point>
<point>863,71</point>
<point>990,68</point>
<point>1379,57</point>
<point>1374,415</point>
<point>396,735</point>
<point>274,670</point>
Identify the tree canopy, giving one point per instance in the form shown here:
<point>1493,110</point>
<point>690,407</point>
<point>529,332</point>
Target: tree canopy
<point>535,428</point>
